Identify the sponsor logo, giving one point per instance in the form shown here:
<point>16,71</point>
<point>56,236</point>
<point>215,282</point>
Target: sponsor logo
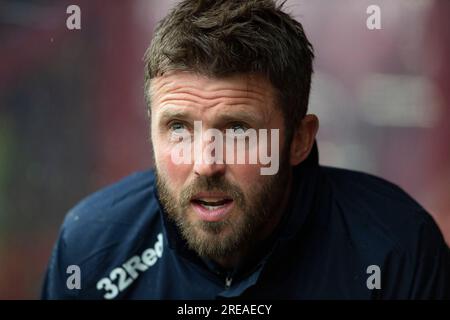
<point>122,277</point>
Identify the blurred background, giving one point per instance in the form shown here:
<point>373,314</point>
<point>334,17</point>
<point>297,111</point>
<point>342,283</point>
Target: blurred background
<point>73,119</point>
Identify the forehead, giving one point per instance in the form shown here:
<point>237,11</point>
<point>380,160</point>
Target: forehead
<point>191,87</point>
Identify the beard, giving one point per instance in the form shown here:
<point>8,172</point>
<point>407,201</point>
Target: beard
<point>241,229</point>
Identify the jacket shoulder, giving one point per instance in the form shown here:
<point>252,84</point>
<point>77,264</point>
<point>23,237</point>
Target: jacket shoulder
<point>389,228</point>
<point>103,230</point>
<point>366,195</point>
<point>104,217</point>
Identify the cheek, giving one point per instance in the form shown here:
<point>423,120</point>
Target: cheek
<point>176,174</point>
<point>246,176</point>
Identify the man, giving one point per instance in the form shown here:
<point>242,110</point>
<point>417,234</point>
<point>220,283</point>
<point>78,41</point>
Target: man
<point>204,225</point>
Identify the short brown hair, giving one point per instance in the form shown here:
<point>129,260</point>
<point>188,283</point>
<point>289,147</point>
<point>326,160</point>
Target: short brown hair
<point>223,37</point>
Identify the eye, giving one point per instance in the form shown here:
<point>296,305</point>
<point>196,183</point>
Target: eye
<point>238,128</point>
<point>177,127</point>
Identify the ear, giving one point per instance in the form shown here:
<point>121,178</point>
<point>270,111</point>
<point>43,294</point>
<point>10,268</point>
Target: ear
<point>303,139</point>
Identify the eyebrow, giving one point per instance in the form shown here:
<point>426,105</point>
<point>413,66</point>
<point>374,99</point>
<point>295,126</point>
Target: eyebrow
<point>172,114</point>
<point>240,116</point>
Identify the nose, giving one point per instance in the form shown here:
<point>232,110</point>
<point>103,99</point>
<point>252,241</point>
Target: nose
<point>209,166</point>
<point>209,170</point>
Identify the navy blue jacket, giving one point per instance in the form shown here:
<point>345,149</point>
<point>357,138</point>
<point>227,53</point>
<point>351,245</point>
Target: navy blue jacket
<point>345,235</point>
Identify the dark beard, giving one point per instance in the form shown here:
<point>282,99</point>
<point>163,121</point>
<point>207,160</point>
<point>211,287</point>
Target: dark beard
<point>219,239</point>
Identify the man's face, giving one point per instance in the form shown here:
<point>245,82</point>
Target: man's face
<point>218,207</point>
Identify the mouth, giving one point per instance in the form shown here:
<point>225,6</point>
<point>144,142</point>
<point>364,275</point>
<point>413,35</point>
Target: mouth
<point>212,206</point>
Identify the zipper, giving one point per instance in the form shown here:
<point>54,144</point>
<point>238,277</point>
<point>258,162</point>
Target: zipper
<point>228,281</point>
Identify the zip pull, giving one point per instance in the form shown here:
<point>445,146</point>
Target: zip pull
<point>228,281</point>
